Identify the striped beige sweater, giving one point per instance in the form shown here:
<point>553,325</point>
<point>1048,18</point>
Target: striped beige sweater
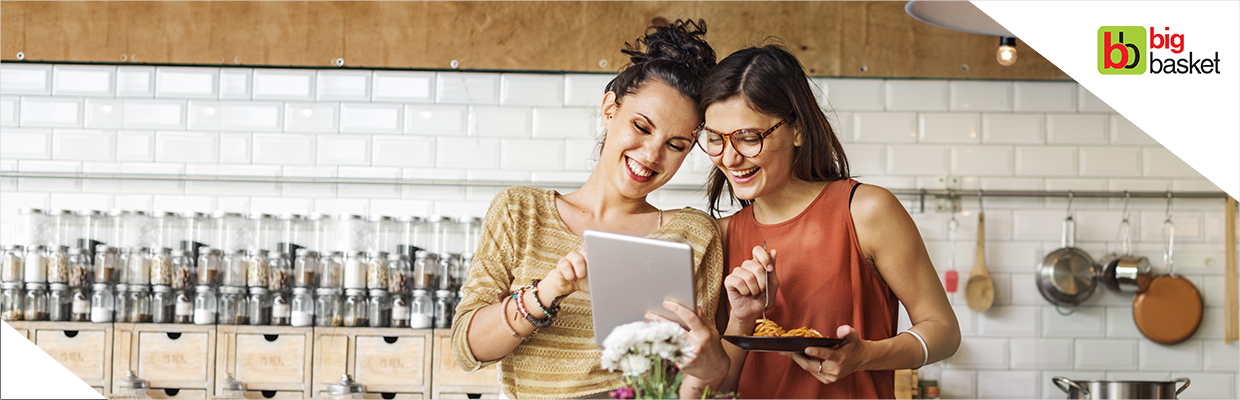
<point>523,239</point>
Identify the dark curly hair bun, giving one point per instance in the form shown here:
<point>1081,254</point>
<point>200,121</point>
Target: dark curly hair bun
<point>676,54</point>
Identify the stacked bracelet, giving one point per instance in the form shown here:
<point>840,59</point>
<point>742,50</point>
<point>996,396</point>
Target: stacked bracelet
<point>504,314</point>
<point>519,296</point>
<point>555,303</point>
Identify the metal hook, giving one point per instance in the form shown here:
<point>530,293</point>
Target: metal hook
<point>1168,207</point>
<point>1127,197</point>
<point>1070,195</point>
<point>979,202</point>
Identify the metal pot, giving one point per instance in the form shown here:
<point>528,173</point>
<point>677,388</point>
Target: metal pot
<point>1127,274</point>
<point>1067,276</point>
<point>1120,389</point>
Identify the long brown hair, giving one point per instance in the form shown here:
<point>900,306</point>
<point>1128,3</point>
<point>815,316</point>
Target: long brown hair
<point>773,82</point>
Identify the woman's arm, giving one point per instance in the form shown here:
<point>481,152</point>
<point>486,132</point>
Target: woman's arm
<point>893,246</point>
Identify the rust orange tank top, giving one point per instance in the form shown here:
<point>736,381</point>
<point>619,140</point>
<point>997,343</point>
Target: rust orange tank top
<point>824,282</point>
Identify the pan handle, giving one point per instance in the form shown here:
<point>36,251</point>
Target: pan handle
<point>1059,381</point>
<point>1181,389</point>
<point>1060,311</point>
<point>1069,231</point>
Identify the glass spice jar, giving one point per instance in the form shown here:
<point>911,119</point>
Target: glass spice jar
<point>399,273</point>
<point>102,303</point>
<point>183,270</point>
<point>281,310</point>
<point>138,266</point>
<point>106,263</point>
<point>11,297</point>
<point>355,308</point>
<point>400,310</point>
<point>183,307</point>
<point>121,304</point>
<point>328,307</point>
<point>13,266</point>
<point>302,307</point>
<point>306,268</point>
<point>445,306</point>
<point>205,305</point>
<point>59,302</point>
<point>35,302</point>
<point>36,264</point>
<point>331,271</point>
<point>425,266</point>
<point>139,303</point>
<point>259,269</point>
<point>208,266</point>
<point>281,273</point>
<point>81,268</point>
<point>377,271</point>
<point>234,308</point>
<point>162,307</point>
<point>79,309</point>
<point>422,310</point>
<point>379,309</point>
<point>161,267</point>
<point>58,264</point>
<point>234,268</point>
<point>355,271</point>
<point>260,306</point>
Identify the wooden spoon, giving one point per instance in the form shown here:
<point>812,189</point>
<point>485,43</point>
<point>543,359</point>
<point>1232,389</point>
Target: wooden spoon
<point>979,292</point>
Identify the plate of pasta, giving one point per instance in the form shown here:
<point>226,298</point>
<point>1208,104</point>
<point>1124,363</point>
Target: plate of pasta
<point>769,336</point>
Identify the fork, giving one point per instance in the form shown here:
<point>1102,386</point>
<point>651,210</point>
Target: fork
<point>766,282</point>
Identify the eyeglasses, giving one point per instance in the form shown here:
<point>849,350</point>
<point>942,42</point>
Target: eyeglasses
<point>747,142</point>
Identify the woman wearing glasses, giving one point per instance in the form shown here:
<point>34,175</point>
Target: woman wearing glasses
<point>847,253</point>
<point>525,302</point>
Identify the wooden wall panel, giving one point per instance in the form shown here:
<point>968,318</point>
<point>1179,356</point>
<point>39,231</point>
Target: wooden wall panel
<point>830,38</point>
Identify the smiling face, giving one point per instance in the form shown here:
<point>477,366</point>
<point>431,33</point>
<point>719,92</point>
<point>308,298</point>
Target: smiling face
<point>648,136</point>
<point>771,169</point>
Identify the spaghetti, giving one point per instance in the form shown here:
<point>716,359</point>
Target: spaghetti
<point>769,328</point>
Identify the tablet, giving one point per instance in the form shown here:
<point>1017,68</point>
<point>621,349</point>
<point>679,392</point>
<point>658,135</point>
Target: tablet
<point>630,276</point>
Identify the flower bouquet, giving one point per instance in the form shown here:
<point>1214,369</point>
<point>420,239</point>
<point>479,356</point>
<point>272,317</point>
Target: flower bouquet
<point>648,355</point>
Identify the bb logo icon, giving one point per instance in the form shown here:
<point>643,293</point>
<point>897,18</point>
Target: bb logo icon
<point>1120,50</point>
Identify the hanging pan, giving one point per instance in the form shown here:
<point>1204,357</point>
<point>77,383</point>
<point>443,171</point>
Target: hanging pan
<point>1124,272</point>
<point>1067,276</point>
<point>1169,312</point>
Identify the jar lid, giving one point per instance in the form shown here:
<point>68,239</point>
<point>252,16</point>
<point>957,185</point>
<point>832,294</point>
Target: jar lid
<point>355,292</point>
<point>166,214</point>
<point>116,212</point>
<point>281,254</point>
<point>35,285</point>
<point>59,286</point>
<point>16,247</point>
<point>39,247</point>
<point>138,213</point>
<point>420,292</point>
<point>192,214</point>
<point>180,253</point>
<point>233,384</point>
<point>289,216</point>
<point>121,287</point>
<point>29,210</point>
<point>212,250</point>
<point>161,288</point>
<point>232,290</point>
<point>356,253</point>
<point>397,257</point>
<point>346,386</point>
<point>409,218</point>
<point>443,293</point>
<point>139,288</point>
<point>328,291</point>
<point>131,381</point>
<point>302,251</point>
<point>75,251</point>
<point>202,288</point>
<point>301,290</point>
<point>258,290</point>
<point>11,285</point>
<point>378,292</point>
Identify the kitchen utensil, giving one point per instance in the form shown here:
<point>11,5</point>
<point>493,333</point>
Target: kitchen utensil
<point>766,302</point>
<point>1123,272</point>
<point>1170,310</point>
<point>951,278</point>
<point>979,292</point>
<point>1068,275</point>
<point>1233,320</point>
<point>1120,389</point>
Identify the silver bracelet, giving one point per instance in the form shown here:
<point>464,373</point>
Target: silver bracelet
<point>924,350</point>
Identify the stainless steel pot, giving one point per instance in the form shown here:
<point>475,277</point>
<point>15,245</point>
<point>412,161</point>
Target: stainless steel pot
<point>1068,275</point>
<point>1127,274</point>
<point>1120,389</point>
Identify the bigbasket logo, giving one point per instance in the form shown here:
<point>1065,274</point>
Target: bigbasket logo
<point>1121,50</point>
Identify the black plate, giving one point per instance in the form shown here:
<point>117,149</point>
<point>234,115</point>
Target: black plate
<point>767,343</point>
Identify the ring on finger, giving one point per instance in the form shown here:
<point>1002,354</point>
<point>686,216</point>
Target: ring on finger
<point>820,367</point>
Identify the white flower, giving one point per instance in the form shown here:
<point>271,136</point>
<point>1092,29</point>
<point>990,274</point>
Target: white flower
<point>630,347</point>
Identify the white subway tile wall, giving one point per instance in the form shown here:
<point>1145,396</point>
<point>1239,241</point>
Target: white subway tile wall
<point>530,128</point>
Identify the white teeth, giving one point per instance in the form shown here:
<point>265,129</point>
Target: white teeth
<point>638,169</point>
<point>744,172</point>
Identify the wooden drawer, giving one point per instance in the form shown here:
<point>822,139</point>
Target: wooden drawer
<point>392,395</point>
<point>392,360</point>
<point>83,348</point>
<point>274,394</point>
<point>265,357</point>
<point>178,356</point>
<point>450,378</point>
<point>168,393</point>
<point>331,356</point>
<point>443,395</point>
<point>22,327</point>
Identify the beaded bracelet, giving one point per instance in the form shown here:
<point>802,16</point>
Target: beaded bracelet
<point>537,323</point>
<point>555,303</point>
<point>504,314</point>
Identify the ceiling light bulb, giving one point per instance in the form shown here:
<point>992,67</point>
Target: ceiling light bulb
<point>1007,51</point>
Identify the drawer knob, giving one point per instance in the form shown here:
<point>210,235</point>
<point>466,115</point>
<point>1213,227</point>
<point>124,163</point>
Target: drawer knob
<point>172,392</point>
<point>174,335</point>
<point>390,339</point>
<point>267,394</point>
<point>71,333</point>
<point>388,396</point>
<point>271,338</point>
